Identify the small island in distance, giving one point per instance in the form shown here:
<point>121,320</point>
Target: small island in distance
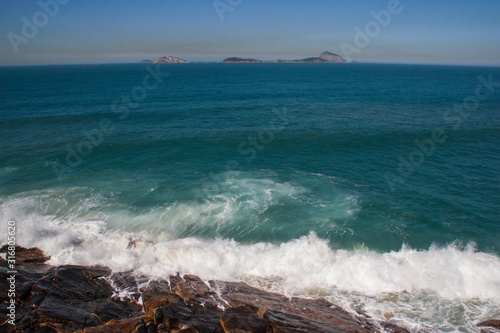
<point>325,57</point>
<point>166,60</point>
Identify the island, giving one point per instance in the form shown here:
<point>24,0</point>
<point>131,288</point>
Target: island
<point>325,57</point>
<point>167,60</point>
<point>235,59</point>
<point>332,57</point>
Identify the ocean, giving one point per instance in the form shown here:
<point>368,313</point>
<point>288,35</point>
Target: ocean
<point>374,186</point>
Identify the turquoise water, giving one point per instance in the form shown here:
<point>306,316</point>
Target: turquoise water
<point>375,179</point>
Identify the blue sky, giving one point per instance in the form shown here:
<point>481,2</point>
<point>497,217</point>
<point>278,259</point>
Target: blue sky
<point>109,31</point>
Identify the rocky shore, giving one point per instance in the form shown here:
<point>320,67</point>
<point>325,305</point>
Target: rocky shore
<point>95,299</point>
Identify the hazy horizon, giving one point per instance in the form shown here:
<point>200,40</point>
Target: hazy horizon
<point>215,61</point>
<point>75,32</point>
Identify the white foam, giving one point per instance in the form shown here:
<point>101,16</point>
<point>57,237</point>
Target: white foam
<point>399,283</point>
<point>304,263</point>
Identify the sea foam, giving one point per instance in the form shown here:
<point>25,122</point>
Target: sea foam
<point>396,284</point>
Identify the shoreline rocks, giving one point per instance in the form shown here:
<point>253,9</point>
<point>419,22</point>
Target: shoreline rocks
<point>24,255</point>
<point>93,299</point>
<point>489,326</point>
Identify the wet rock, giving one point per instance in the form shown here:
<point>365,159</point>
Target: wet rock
<point>24,282</point>
<point>393,328</point>
<point>125,285</point>
<point>296,314</point>
<point>62,315</point>
<point>243,320</point>
<point>239,294</point>
<point>197,284</point>
<point>188,330</point>
<point>22,254</point>
<point>495,323</point>
<point>136,324</point>
<point>93,299</point>
<point>164,306</point>
<point>68,298</point>
<point>186,292</point>
<point>177,306</point>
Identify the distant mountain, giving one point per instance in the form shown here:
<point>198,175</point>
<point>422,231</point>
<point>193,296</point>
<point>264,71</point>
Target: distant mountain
<point>170,60</point>
<point>147,62</point>
<point>332,57</point>
<point>325,57</point>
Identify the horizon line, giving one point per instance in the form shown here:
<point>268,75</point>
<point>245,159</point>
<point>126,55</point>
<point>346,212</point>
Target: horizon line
<point>220,62</point>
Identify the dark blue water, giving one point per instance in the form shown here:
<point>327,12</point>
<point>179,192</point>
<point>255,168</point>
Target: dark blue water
<point>253,157</point>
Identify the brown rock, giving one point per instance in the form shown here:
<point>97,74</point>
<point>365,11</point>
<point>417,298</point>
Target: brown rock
<point>24,284</point>
<point>188,330</point>
<point>495,323</point>
<point>199,286</point>
<point>78,298</point>
<point>127,284</point>
<point>137,324</point>
<point>177,306</point>
<point>393,328</point>
<point>69,298</point>
<point>240,294</point>
<point>296,314</point>
<point>22,254</point>
<point>184,291</point>
<point>77,282</point>
<point>243,320</point>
